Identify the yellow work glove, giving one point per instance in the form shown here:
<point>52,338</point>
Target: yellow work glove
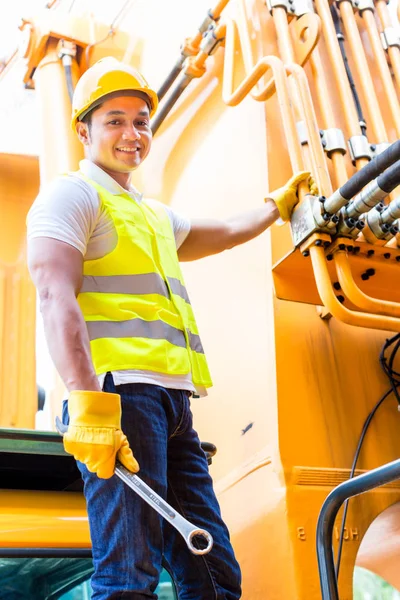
<point>286,197</point>
<point>94,433</point>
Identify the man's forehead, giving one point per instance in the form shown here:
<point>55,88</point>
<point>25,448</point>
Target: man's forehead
<point>124,103</point>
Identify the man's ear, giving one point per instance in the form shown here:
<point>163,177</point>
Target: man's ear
<point>82,130</point>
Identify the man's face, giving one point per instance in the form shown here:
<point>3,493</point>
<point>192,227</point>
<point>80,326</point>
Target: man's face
<point>119,137</point>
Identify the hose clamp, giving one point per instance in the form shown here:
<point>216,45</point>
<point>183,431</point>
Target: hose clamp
<point>271,4</point>
<point>389,38</point>
<point>359,147</point>
<point>332,140</point>
<point>362,5</point>
<point>209,42</point>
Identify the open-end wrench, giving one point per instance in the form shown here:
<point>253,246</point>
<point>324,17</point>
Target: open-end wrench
<point>187,530</point>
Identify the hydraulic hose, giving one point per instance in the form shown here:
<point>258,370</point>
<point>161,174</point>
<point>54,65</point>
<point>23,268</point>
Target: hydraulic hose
<point>162,113</point>
<point>67,62</point>
<point>177,68</point>
<point>374,192</point>
<point>388,180</point>
<point>369,172</point>
<point>340,37</point>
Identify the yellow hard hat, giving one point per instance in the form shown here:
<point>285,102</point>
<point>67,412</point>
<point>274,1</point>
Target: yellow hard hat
<point>107,76</point>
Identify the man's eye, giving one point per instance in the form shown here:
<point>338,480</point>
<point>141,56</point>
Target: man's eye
<point>142,123</point>
<point>113,122</point>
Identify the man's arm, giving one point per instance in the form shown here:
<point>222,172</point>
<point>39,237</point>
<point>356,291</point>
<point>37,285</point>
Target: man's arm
<point>211,236</point>
<point>56,269</point>
<point>208,237</point>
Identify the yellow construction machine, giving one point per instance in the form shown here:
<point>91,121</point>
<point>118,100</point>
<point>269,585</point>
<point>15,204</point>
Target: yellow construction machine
<point>304,411</point>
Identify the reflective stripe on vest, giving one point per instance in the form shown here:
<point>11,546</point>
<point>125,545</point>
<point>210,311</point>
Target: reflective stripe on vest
<point>156,330</point>
<point>144,283</point>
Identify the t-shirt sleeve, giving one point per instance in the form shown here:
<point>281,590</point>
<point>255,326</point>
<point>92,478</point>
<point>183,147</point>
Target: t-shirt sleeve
<point>180,226</point>
<point>67,210</point>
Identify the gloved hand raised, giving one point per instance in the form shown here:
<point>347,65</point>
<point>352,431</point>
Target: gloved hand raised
<point>286,197</point>
<point>94,434</point>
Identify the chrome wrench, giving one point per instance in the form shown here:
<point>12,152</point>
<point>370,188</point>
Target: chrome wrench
<point>187,530</point>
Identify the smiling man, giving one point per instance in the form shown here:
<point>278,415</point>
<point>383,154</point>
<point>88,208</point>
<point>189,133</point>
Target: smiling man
<point>122,334</point>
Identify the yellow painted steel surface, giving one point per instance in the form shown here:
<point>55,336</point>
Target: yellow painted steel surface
<point>292,390</point>
<point>19,185</point>
<point>30,519</point>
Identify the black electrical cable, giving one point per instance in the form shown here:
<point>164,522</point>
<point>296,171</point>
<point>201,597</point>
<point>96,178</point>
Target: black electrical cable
<point>340,37</point>
<point>394,378</point>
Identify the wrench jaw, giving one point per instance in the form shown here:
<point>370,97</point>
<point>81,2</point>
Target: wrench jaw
<point>203,533</point>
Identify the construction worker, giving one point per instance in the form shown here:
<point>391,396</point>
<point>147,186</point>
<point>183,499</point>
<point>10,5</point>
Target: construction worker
<point>122,334</point>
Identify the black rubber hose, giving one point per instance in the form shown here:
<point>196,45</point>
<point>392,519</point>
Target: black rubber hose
<point>388,180</point>
<point>340,37</point>
<point>68,76</point>
<point>170,102</point>
<point>171,78</point>
<point>372,170</point>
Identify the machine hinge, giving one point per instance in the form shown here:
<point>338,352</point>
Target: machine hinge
<point>389,38</point>
<point>332,140</point>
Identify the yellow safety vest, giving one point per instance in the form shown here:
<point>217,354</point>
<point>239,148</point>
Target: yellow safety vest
<point>134,299</point>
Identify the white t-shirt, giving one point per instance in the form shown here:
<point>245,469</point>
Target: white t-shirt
<point>69,209</point>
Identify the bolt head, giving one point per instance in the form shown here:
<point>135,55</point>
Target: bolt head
<point>335,219</point>
<point>364,277</point>
<point>386,255</point>
<point>342,247</point>
<point>306,253</point>
<point>370,272</point>
<point>370,252</point>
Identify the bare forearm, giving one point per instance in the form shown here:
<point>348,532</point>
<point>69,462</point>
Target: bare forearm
<point>248,225</point>
<point>68,343</point>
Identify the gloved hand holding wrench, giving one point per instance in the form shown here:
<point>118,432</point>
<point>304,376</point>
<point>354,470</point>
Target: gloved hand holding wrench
<point>85,422</point>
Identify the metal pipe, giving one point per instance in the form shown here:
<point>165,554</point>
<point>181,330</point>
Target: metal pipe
<point>326,108</point>
<point>355,184</point>
<point>191,46</point>
<point>393,51</point>
<point>383,68</point>
<point>391,212</point>
<point>364,76</point>
<point>329,300</point>
<point>174,96</point>
<point>353,88</point>
<point>177,68</point>
<point>327,516</point>
<point>232,98</point>
<point>317,157</point>
<point>339,71</point>
<point>357,296</point>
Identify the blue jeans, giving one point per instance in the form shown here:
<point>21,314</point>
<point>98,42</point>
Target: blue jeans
<point>129,539</point>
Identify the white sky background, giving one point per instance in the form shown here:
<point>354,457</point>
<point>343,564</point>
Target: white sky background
<point>18,123</point>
